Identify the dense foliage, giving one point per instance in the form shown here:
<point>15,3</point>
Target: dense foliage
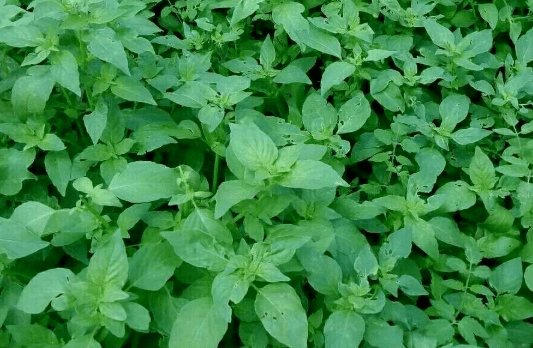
<point>266,173</point>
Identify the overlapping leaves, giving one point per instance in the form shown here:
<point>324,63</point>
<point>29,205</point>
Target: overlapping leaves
<point>260,173</point>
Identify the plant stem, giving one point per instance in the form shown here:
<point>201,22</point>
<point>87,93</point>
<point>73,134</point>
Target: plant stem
<point>80,130</point>
<point>467,284</point>
<point>96,214</point>
<point>238,217</point>
<point>67,98</point>
<point>215,173</point>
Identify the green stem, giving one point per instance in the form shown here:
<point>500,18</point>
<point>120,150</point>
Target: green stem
<point>80,130</point>
<point>96,214</point>
<point>467,284</point>
<point>215,173</point>
<point>237,218</point>
<point>89,99</point>
<point>83,50</point>
<point>67,98</point>
<point>519,141</point>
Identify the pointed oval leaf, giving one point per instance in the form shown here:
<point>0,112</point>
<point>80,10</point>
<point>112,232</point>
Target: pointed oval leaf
<point>17,241</point>
<point>353,114</point>
<point>130,89</point>
<point>152,265</point>
<point>230,193</point>
<point>344,329</point>
<point>282,314</point>
<point>313,175</point>
<point>334,74</point>
<point>109,264</point>
<point>253,148</point>
<point>198,325</point>
<point>103,46</point>
<point>144,181</point>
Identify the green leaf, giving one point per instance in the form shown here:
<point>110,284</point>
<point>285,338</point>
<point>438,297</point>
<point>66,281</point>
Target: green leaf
<point>390,98</point>
<point>253,148</point>
<point>244,9</point>
<point>144,181</point>
<point>137,317</point>
<point>489,12</point>
<point>198,325</point>
<point>164,309</point>
<point>319,117</point>
<point>33,335</point>
<point>507,277</point>
<point>440,35</point>
<point>366,263</point>
<point>524,47</point>
<point>130,89</point>
<point>211,116</point>
<point>96,121</point>
<point>482,171</point>
<point>58,167</point>
<point>353,114</point>
<point>423,236</point>
<point>516,171</point>
<point>476,43</point>
<point>109,264</point>
<point>300,30</point>
<point>225,288</point>
<point>334,74</point>
<point>432,164</point>
<point>267,53</point>
<point>65,71</point>
<point>320,41</point>
<point>288,15</point>
<point>13,169</point>
<point>86,341</point>
<point>131,215</point>
<point>30,93</point>
<point>470,135</point>
<point>324,274</point>
<point>270,273</point>
<point>20,36</point>
<point>201,241</point>
<point>513,307</point>
<point>17,241</point>
<point>528,277</point>
<point>453,109</point>
<point>400,243</point>
<point>253,335</point>
<point>104,46</point>
<point>51,142</point>
<point>313,175</point>
<point>33,215</point>
<point>446,230</point>
<point>42,289</point>
<point>282,315</point>
<point>379,334</point>
<point>410,286</point>
<point>344,329</point>
<point>230,193</point>
<point>152,265</point>
<point>468,327</point>
<point>292,74</point>
<point>192,94</point>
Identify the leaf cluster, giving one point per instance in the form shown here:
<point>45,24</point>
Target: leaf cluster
<point>266,173</point>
